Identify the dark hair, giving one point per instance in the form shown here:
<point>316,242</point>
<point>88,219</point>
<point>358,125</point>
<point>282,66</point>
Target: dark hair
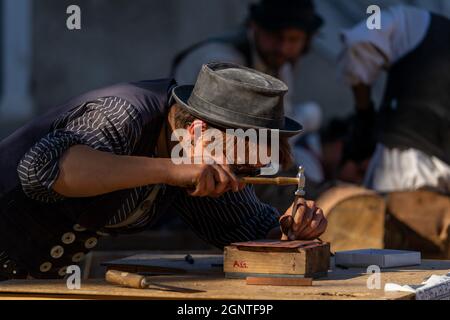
<point>275,15</point>
<point>337,129</point>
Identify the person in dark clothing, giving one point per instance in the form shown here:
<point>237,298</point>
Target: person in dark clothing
<point>103,164</point>
<point>277,33</point>
<point>413,130</point>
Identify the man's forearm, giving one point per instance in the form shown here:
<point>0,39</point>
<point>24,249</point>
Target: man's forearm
<point>85,172</point>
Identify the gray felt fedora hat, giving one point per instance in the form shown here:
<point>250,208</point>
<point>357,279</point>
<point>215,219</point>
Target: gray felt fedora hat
<point>231,96</point>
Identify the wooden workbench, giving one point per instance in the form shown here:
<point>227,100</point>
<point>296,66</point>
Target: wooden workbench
<point>340,284</point>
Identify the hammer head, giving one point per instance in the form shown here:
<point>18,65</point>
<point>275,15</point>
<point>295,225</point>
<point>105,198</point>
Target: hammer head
<point>301,182</point>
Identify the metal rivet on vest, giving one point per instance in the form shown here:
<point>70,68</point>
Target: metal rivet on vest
<point>77,257</point>
<point>14,272</point>
<point>57,252</point>
<point>91,243</point>
<point>68,238</point>
<point>45,267</point>
<point>62,272</point>
<point>79,228</point>
<point>5,266</point>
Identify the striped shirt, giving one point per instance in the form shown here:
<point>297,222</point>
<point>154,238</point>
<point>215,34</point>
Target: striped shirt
<point>107,124</point>
<point>113,125</point>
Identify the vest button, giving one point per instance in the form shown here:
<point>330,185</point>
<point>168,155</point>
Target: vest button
<point>91,243</point>
<point>68,238</point>
<point>77,257</point>
<point>62,272</point>
<point>57,252</point>
<point>45,267</point>
<point>79,228</point>
<point>9,267</point>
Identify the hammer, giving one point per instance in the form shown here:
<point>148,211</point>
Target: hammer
<point>254,177</point>
<point>279,181</point>
<point>287,222</point>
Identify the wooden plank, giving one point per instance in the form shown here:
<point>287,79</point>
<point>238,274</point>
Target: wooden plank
<point>279,281</point>
<point>276,244</point>
<point>213,289</point>
<point>340,284</point>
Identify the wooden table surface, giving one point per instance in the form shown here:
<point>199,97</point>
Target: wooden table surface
<point>340,284</point>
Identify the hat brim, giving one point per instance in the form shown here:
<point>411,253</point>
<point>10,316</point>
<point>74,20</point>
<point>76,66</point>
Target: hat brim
<point>183,93</point>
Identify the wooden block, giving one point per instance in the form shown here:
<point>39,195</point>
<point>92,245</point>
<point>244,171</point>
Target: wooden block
<point>279,281</point>
<point>292,258</point>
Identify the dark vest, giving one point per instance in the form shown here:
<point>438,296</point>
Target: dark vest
<point>416,108</point>
<point>31,230</point>
<point>239,41</point>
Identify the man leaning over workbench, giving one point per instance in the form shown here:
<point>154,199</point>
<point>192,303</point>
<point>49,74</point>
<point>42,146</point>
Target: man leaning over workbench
<point>100,165</point>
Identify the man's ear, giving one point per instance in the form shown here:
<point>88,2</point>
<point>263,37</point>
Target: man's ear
<point>190,129</point>
<point>197,127</point>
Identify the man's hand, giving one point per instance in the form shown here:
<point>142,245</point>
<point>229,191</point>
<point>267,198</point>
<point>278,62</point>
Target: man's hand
<point>309,222</point>
<point>204,180</point>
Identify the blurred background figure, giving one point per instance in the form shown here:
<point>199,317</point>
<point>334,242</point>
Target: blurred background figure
<point>413,135</point>
<point>327,152</point>
<point>274,37</point>
<point>308,147</point>
<point>121,41</point>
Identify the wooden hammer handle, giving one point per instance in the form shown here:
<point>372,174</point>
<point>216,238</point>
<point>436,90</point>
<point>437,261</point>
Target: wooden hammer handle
<point>279,181</point>
<point>129,280</point>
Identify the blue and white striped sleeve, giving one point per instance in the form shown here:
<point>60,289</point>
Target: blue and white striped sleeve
<point>108,124</point>
<point>234,217</point>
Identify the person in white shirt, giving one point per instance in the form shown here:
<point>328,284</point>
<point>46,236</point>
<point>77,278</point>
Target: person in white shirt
<point>413,45</point>
<point>276,35</point>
